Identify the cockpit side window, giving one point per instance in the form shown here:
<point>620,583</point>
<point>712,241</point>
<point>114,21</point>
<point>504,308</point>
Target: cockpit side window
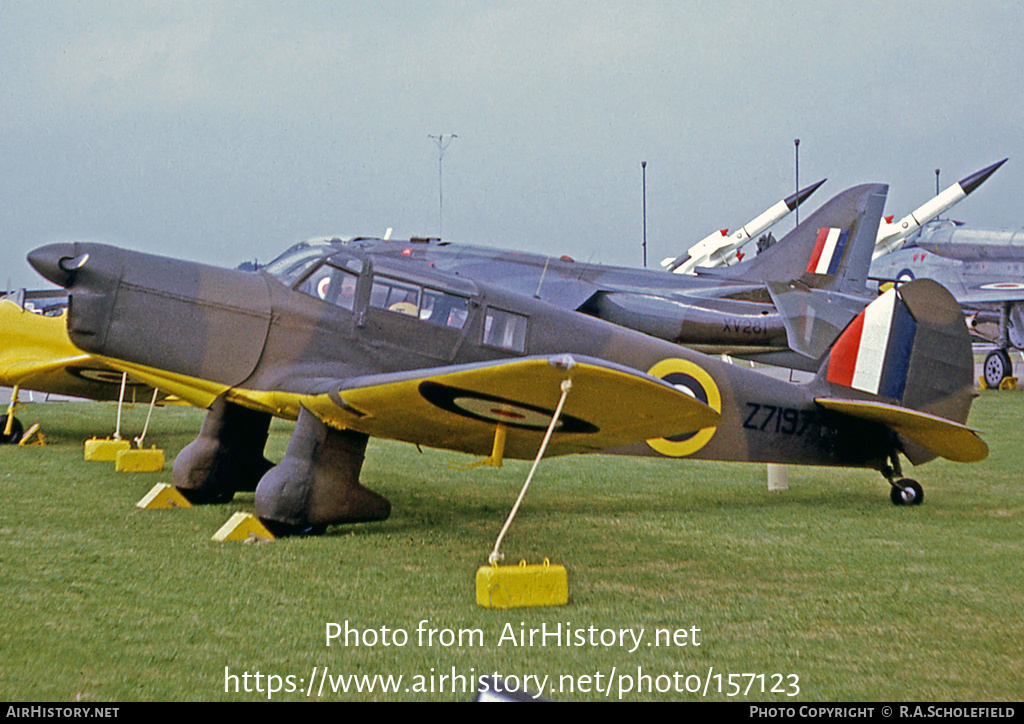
<point>443,309</point>
<point>506,330</point>
<point>428,305</point>
<point>395,296</point>
<point>332,285</point>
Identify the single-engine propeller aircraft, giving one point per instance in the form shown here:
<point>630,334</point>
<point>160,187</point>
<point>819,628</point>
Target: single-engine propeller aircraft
<point>353,346</point>
<point>729,312</point>
<point>786,306</point>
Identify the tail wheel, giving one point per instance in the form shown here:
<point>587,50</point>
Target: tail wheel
<point>15,434</point>
<point>997,368</point>
<point>906,492</point>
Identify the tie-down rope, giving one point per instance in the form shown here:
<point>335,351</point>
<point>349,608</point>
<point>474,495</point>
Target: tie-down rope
<point>495,554</point>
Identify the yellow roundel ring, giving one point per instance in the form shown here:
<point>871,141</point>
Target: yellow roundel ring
<point>692,379</point>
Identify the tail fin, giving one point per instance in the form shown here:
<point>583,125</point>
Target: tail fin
<point>813,318</point>
<point>906,362</point>
<point>830,250</point>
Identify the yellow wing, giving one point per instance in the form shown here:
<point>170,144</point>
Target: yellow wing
<point>458,408</point>
<point>36,354</point>
<point>943,437</point>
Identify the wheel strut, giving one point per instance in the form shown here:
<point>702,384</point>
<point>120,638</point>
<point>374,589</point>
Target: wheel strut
<point>893,472</point>
<point>11,430</point>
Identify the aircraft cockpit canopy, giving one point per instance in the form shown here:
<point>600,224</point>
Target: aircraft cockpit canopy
<point>298,259</point>
<point>320,270</point>
<point>323,271</point>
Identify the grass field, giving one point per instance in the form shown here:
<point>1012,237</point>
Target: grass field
<point>827,582</point>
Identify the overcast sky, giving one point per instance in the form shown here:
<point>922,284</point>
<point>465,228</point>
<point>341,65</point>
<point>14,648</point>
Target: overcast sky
<point>224,131</point>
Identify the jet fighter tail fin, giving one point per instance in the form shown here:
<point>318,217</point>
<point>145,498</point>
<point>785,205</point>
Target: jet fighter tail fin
<point>906,362</point>
<point>830,250</point>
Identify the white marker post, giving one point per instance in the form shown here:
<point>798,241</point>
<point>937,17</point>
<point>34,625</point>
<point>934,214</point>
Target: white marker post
<point>778,477</point>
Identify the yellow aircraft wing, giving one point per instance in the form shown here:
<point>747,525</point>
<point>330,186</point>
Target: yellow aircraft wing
<point>459,408</point>
<point>943,437</point>
<point>33,345</point>
<point>37,354</point>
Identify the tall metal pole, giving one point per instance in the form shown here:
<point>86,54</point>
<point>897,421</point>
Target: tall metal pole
<point>643,167</point>
<point>443,141</point>
<point>936,182</point>
<point>796,145</point>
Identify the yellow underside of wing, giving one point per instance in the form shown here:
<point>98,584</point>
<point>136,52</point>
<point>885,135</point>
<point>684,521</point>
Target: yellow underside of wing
<point>201,393</point>
<point>615,407</point>
<point>33,345</point>
<point>606,407</point>
<point>943,437</point>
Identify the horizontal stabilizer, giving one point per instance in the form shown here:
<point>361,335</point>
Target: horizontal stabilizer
<point>459,407</point>
<point>943,437</point>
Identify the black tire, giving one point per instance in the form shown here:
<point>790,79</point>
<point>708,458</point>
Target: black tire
<point>910,493</point>
<point>16,432</point>
<point>997,368</point>
<point>896,496</point>
<point>286,530</point>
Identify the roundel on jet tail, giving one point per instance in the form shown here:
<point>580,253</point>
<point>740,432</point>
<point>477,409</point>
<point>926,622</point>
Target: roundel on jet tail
<point>691,379</point>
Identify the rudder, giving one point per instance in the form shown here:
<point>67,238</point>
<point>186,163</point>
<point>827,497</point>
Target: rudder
<point>908,349</point>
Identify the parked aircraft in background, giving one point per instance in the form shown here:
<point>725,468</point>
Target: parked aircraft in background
<point>984,270</point>
<point>36,354</point>
<point>786,306</point>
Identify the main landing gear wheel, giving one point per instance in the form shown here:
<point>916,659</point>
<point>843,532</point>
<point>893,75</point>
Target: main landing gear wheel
<point>906,492</point>
<point>997,368</point>
<point>16,431</point>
